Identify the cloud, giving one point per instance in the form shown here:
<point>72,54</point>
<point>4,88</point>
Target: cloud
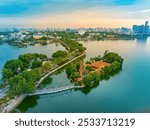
<point>32,7</point>
<point>72,12</point>
<point>144,11</point>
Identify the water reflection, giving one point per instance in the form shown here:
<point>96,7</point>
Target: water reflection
<point>46,82</point>
<point>87,90</point>
<point>29,102</point>
<point>142,40</point>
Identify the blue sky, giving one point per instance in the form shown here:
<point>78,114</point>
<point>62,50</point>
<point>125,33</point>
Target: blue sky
<point>74,13</point>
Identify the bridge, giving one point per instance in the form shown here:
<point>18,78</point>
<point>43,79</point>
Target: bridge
<point>54,90</point>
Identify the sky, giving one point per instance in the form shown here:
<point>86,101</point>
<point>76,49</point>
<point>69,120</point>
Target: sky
<point>73,13</point>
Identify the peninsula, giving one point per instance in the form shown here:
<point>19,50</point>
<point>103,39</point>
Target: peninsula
<point>22,76</point>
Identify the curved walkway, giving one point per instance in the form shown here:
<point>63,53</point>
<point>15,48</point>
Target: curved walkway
<point>54,70</point>
<point>55,90</point>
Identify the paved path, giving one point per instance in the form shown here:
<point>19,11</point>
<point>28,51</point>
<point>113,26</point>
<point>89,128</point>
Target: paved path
<point>3,92</point>
<point>12,104</point>
<point>51,72</point>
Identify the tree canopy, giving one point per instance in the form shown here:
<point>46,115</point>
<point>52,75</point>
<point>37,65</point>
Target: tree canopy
<point>59,54</point>
<point>12,68</point>
<point>110,57</point>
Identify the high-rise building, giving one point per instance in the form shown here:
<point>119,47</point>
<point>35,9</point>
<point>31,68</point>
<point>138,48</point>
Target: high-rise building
<point>146,30</point>
<point>146,23</point>
<point>135,28</point>
<point>141,29</point>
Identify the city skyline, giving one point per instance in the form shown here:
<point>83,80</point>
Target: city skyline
<point>68,13</point>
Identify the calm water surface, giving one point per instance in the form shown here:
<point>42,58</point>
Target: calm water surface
<point>127,91</point>
<point>8,52</point>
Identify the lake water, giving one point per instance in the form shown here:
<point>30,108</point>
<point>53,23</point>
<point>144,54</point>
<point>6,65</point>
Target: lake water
<point>8,52</point>
<point>127,91</point>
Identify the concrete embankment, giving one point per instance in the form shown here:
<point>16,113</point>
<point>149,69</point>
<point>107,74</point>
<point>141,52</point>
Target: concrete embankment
<point>12,104</point>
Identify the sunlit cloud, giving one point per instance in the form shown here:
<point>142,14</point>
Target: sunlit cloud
<point>73,13</point>
<point>145,11</point>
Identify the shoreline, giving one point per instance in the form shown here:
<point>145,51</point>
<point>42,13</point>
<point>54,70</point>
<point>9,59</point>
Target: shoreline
<point>12,104</point>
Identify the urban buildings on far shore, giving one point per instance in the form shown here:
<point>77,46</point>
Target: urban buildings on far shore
<point>141,30</point>
<point>21,33</point>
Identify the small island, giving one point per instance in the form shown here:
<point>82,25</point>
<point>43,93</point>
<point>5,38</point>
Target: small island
<point>98,68</point>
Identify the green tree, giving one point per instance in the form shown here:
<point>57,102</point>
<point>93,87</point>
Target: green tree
<point>102,74</point>
<point>116,65</point>
<point>40,56</point>
<point>91,79</point>
<point>11,68</point>
<point>71,69</point>
<point>107,69</point>
<point>87,80</point>
<point>96,76</point>
<point>75,75</point>
<point>7,73</point>
<point>36,64</point>
<point>59,54</point>
<point>19,85</point>
<point>110,57</point>
<point>46,67</point>
<point>26,59</point>
<point>32,75</point>
<point>89,68</point>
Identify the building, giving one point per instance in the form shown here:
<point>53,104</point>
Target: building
<point>81,31</point>
<point>38,36</point>
<point>141,29</point>
<point>98,65</point>
<point>146,29</point>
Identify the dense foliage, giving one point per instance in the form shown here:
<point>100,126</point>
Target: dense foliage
<point>72,45</point>
<point>92,77</point>
<point>28,59</point>
<point>60,54</point>
<point>23,73</point>
<point>73,71</point>
<point>110,57</point>
<point>11,68</point>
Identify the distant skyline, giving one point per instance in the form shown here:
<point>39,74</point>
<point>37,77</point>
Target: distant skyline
<point>73,13</point>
